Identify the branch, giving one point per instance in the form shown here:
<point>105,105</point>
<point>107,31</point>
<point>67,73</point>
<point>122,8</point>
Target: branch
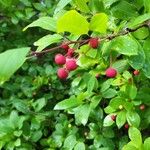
<point>82,42</point>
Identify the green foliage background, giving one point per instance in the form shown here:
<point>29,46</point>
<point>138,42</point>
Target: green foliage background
<point>39,111</point>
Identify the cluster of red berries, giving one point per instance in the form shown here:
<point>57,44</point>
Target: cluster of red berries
<point>68,62</point>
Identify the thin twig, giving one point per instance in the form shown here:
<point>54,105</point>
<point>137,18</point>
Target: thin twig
<point>82,42</point>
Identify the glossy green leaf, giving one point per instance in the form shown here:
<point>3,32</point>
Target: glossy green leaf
<point>124,10</point>
<point>91,84</point>
<point>141,33</point>
<point>147,144</point>
<point>39,104</point>
<point>82,6</point>
<point>71,21</point>
<point>46,41</point>
<point>135,136</point>
<point>70,142</point>
<point>99,23</point>
<point>138,60</point>
<point>47,23</point>
<point>121,119</point>
<point>130,146</point>
<point>116,102</point>
<point>61,4</point>
<point>109,93</point>
<point>67,103</point>
<point>120,65</point>
<point>133,118</point>
<point>82,114</point>
<point>132,91</point>
<point>79,146</point>
<point>146,5</point>
<point>107,121</point>
<point>125,45</point>
<point>146,68</point>
<point>10,61</point>
<point>139,20</point>
<point>106,84</point>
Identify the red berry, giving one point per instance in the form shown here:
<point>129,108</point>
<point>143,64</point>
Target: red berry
<point>97,75</point>
<point>71,64</point>
<point>142,107</point>
<point>93,42</point>
<point>136,72</point>
<point>113,117</point>
<point>64,46</point>
<point>126,126</point>
<point>62,73</point>
<point>60,59</point>
<point>70,52</point>
<point>111,72</point>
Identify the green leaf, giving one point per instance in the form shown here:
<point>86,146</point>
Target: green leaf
<point>39,104</point>
<point>21,106</point>
<point>107,121</point>
<point>120,65</point>
<point>124,10</point>
<point>133,118</point>
<point>109,93</point>
<point>61,4</point>
<point>86,62</point>
<point>106,84</point>
<point>71,21</point>
<point>79,146</point>
<point>137,61</point>
<point>47,23</point>
<point>91,53</point>
<point>67,103</point>
<point>146,68</point>
<point>95,100</point>
<point>135,136</point>
<point>121,119</point>
<point>82,114</point>
<point>36,135</point>
<point>70,142</point>
<point>125,45</point>
<point>99,23</point>
<point>141,33</point>
<point>10,61</point>
<point>147,144</point>
<point>81,5</point>
<point>116,102</point>
<point>130,146</point>
<point>132,91</point>
<point>46,41</point>
<point>139,20</point>
<point>146,5</point>
<point>91,84</point>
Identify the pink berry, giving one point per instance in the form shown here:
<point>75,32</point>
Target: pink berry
<point>71,64</point>
<point>60,59</point>
<point>97,75</point>
<point>126,126</point>
<point>62,73</point>
<point>113,117</point>
<point>111,72</point>
<point>142,107</point>
<point>136,72</point>
<point>70,52</point>
<point>64,46</point>
<point>93,42</point>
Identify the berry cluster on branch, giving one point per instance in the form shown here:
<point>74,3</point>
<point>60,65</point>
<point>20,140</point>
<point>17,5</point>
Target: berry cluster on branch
<point>68,61</point>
